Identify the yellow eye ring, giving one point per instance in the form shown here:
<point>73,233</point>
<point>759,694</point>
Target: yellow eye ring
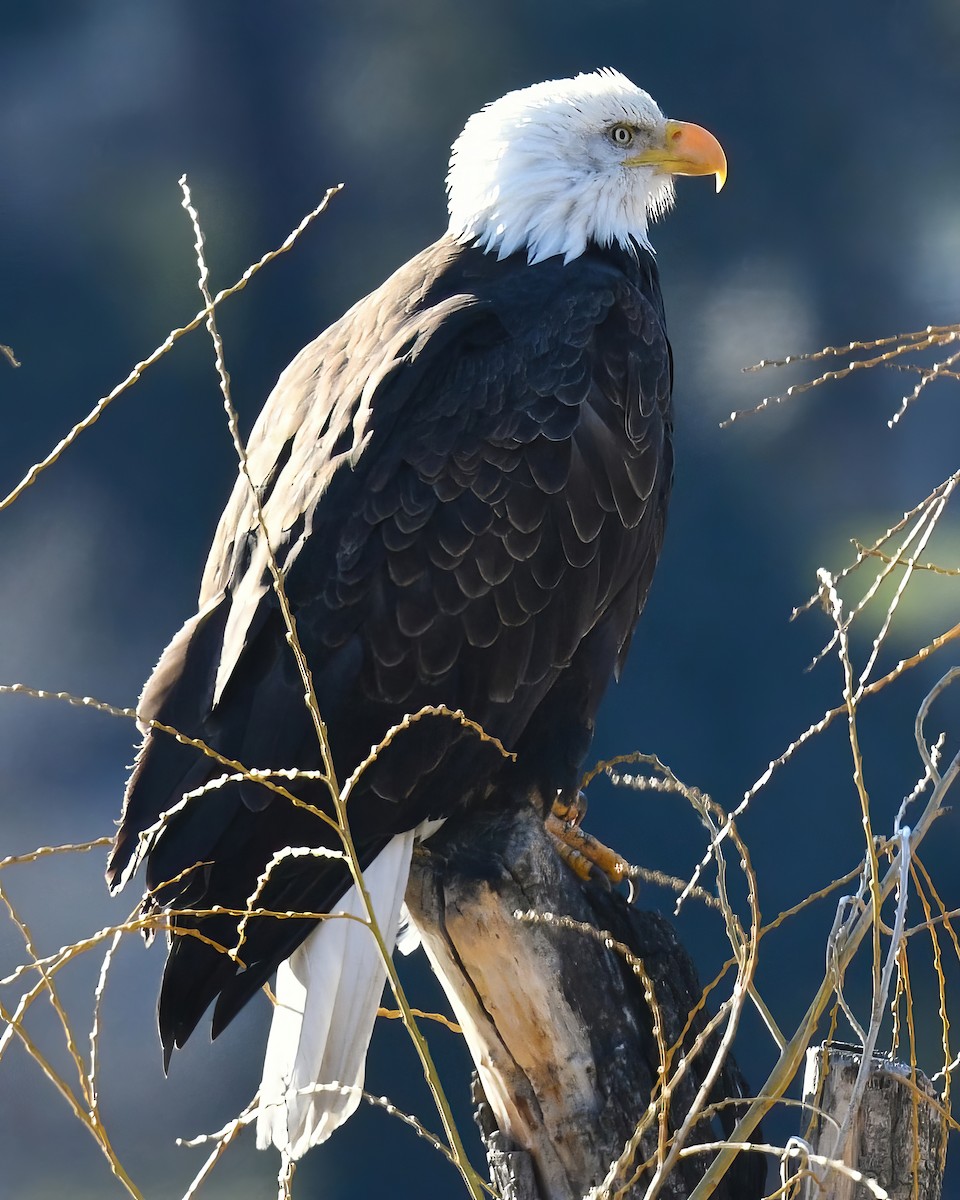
<point>622,135</point>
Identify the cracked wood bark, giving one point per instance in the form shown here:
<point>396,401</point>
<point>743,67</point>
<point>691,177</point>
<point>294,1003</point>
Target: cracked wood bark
<point>557,1023</point>
<point>893,1134</point>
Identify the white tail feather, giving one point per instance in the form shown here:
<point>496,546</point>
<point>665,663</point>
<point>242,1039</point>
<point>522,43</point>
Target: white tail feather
<point>328,993</point>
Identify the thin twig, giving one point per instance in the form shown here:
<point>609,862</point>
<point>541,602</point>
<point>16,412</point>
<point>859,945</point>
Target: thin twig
<point>169,341</point>
<point>338,798</point>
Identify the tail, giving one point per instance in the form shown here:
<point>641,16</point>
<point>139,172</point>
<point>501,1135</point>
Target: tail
<point>328,992</point>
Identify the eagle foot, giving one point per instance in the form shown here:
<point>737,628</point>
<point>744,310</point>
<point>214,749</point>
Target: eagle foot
<point>587,857</point>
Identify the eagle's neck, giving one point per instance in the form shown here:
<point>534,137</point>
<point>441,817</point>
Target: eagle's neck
<point>545,210</point>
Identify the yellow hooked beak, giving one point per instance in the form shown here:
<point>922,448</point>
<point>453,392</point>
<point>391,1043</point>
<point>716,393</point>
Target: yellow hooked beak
<point>685,150</point>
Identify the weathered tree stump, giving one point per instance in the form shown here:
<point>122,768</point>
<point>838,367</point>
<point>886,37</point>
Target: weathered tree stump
<point>895,1136</point>
<point>557,1022</point>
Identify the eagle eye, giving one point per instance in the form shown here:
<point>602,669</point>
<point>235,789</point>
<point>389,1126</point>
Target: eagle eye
<point>622,135</point>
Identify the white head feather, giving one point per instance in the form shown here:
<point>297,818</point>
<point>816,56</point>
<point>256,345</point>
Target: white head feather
<point>539,170</point>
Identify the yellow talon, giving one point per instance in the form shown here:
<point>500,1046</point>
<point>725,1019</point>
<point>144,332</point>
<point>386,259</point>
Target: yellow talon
<point>582,852</point>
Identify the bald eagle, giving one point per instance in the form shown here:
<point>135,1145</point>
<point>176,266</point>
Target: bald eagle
<point>464,481</point>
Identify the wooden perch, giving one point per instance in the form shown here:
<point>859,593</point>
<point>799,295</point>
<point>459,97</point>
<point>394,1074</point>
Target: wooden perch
<point>557,1022</point>
<point>895,1135</point>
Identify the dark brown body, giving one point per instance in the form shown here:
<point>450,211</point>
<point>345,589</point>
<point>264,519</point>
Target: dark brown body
<point>465,481</point>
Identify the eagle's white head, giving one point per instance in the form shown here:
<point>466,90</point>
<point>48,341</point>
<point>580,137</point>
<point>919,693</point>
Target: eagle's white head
<point>554,166</point>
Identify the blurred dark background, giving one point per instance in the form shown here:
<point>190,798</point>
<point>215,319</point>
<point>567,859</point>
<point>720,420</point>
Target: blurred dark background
<point>841,220</point>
